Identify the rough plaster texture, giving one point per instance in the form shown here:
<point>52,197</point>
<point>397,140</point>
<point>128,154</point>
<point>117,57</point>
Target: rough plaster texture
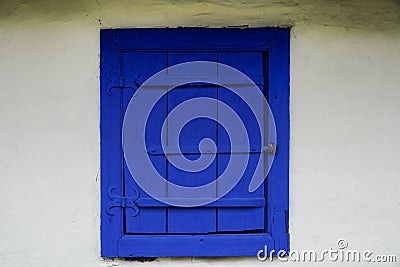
<point>345,106</point>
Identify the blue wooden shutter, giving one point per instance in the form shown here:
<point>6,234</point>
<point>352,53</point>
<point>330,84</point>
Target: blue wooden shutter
<point>133,225</point>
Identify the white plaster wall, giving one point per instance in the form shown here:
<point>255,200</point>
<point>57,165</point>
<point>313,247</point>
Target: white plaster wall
<point>345,130</point>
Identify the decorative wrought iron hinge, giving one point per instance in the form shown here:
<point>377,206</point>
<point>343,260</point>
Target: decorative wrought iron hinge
<point>122,82</point>
<point>123,202</point>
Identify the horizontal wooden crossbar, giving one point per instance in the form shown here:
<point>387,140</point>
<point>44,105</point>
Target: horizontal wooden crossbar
<point>194,245</point>
<point>223,202</point>
<point>159,150</point>
<point>170,81</point>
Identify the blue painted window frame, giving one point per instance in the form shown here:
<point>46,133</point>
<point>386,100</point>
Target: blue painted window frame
<point>113,42</point>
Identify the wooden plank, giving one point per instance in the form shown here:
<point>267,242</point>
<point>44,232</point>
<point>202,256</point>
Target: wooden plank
<point>196,39</point>
<point>224,202</point>
<point>110,145</point>
<point>166,81</point>
<point>194,245</point>
<point>241,219</point>
<point>192,220</point>
<point>158,150</point>
<point>146,64</point>
<point>278,177</point>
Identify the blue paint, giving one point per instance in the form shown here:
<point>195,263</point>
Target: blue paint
<point>193,220</point>
<point>219,229</point>
<point>150,220</point>
<point>110,144</point>
<point>242,219</point>
<point>193,245</point>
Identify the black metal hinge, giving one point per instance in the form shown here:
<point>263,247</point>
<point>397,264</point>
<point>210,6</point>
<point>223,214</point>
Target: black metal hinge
<point>123,202</point>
